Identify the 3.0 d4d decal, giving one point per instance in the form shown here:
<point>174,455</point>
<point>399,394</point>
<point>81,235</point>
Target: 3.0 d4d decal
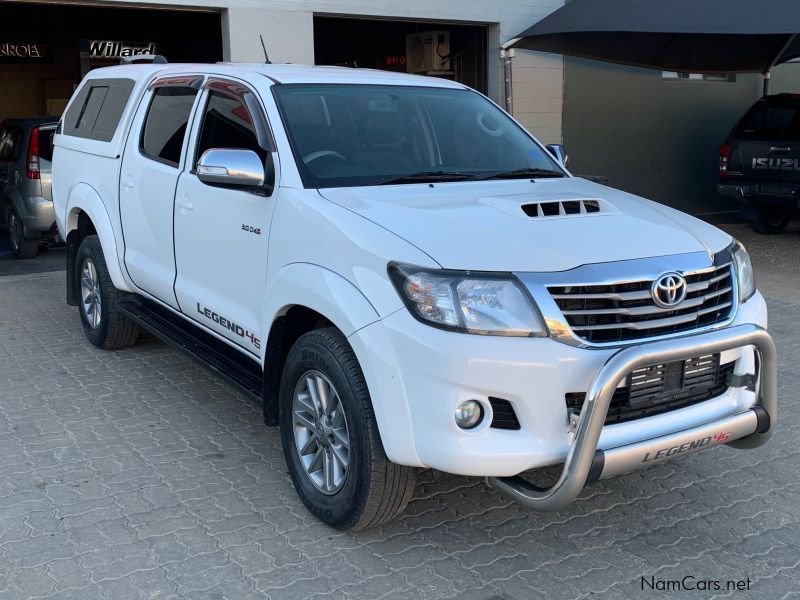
<point>251,229</point>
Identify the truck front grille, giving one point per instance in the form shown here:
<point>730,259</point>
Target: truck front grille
<point>623,312</point>
<point>664,387</point>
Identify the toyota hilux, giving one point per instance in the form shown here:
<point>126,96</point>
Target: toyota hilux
<point>405,279</point>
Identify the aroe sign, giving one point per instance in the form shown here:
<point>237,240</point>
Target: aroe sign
<point>17,51</point>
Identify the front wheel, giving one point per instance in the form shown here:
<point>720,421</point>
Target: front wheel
<point>771,221</point>
<point>330,437</point>
<point>104,324</point>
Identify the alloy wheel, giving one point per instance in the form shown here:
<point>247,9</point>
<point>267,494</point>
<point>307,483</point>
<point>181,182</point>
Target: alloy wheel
<point>14,232</point>
<point>320,432</point>
<point>775,218</point>
<point>90,294</point>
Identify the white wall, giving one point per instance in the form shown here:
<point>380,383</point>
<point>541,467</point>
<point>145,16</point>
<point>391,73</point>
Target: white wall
<point>288,30</point>
<point>538,93</point>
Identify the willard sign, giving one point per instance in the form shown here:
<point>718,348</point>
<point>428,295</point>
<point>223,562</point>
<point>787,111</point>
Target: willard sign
<point>112,49</point>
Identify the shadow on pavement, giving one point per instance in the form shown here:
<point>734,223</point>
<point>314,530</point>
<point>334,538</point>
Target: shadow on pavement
<point>50,259</point>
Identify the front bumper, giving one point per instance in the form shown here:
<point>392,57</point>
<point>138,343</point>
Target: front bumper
<point>418,375</point>
<point>748,429</point>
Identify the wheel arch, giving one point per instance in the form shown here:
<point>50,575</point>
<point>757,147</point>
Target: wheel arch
<point>86,215</point>
<point>301,298</point>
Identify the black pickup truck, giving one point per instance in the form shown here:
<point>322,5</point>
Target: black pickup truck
<point>759,164</point>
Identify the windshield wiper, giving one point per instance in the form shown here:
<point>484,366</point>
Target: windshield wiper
<point>522,173</point>
<point>428,177</point>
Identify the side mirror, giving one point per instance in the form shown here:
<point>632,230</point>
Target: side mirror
<point>231,167</point>
<point>559,153</point>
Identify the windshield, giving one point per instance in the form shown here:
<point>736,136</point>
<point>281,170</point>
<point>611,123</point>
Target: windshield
<point>360,135</point>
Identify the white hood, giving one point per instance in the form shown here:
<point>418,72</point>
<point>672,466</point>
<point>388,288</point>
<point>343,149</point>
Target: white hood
<point>481,226</point>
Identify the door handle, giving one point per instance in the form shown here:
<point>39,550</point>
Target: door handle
<point>128,183</point>
<point>184,204</point>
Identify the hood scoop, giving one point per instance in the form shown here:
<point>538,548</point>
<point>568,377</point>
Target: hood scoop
<point>563,208</point>
<point>550,206</point>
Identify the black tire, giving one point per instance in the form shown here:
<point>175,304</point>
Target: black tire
<point>771,221</point>
<point>374,490</point>
<point>113,330</point>
<point>21,247</point>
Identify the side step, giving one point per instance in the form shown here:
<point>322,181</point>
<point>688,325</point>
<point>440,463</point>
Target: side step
<point>230,364</point>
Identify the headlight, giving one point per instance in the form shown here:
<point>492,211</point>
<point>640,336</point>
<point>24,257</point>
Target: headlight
<point>744,272</point>
<point>482,303</point>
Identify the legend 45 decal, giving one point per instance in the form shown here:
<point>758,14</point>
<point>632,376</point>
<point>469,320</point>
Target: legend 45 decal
<point>230,325</point>
<point>687,447</point>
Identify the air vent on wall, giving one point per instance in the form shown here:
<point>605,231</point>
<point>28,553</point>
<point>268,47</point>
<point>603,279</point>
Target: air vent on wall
<point>562,208</point>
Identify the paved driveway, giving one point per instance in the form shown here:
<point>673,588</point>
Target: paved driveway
<point>136,474</point>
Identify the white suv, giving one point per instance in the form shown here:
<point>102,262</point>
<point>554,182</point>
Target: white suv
<point>406,279</point>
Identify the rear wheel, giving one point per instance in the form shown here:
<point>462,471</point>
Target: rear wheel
<point>330,437</point>
<point>21,247</point>
<point>104,324</point>
<point>771,221</point>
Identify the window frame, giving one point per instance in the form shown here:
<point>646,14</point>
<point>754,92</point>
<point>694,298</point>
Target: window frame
<point>237,90</point>
<point>184,81</point>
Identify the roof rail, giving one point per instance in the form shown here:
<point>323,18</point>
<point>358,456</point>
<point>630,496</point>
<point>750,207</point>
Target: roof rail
<point>155,59</point>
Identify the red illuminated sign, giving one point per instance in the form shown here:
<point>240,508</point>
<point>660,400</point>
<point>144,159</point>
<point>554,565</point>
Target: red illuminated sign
<point>396,60</point>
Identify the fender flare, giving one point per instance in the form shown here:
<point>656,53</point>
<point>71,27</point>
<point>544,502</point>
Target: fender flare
<point>84,198</point>
<point>321,290</point>
<point>346,307</point>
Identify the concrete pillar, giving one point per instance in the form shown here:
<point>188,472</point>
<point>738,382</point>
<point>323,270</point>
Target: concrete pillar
<point>288,35</point>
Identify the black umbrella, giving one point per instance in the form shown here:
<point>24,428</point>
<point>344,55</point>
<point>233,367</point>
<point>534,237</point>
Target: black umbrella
<point>690,36</point>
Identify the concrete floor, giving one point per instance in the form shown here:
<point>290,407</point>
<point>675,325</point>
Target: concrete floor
<point>137,474</point>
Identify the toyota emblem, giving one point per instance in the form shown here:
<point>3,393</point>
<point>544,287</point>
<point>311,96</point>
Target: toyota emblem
<point>669,290</point>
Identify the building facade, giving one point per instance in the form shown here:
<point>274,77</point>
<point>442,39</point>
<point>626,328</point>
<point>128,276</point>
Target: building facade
<point>646,132</point>
<point>49,45</point>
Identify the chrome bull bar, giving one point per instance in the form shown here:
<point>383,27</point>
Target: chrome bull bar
<point>585,462</point>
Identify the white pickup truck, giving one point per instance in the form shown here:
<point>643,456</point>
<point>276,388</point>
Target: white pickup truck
<point>406,279</point>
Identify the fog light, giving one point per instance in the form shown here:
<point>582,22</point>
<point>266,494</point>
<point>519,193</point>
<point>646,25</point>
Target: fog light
<point>469,414</point>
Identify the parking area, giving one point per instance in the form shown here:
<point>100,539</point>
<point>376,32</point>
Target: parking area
<point>51,258</point>
<point>137,474</point>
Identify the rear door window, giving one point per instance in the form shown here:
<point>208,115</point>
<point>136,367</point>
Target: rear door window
<point>166,123</point>
<point>10,142</point>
